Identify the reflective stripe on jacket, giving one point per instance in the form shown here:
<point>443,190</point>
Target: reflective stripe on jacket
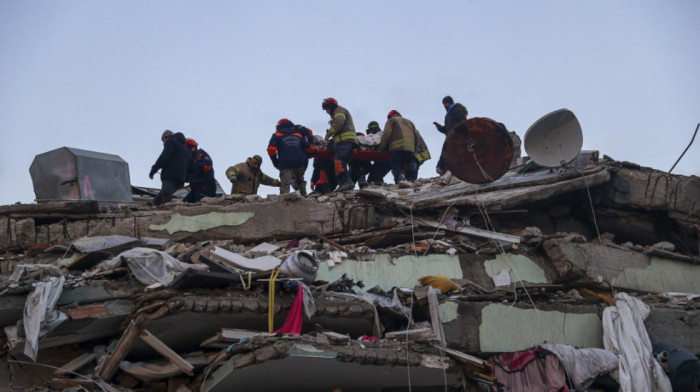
<point>342,127</point>
<point>398,135</point>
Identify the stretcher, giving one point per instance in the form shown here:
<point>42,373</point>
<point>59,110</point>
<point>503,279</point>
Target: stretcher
<point>356,155</point>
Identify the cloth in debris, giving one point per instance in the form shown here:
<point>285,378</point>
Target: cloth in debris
<point>40,317</point>
<point>440,281</point>
<point>292,325</point>
<point>533,370</point>
<point>625,335</point>
<point>149,266</point>
<point>584,365</point>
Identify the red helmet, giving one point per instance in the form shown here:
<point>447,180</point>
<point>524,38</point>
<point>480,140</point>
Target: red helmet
<point>284,123</point>
<point>392,113</point>
<point>329,102</point>
<point>189,143</point>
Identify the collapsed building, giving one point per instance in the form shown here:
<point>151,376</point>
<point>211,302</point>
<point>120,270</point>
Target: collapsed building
<point>577,277</point>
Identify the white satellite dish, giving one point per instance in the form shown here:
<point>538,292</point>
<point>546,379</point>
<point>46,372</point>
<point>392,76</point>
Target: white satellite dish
<point>555,139</point>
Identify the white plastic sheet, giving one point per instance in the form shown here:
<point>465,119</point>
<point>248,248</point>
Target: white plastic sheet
<point>149,266</point>
<point>583,365</point>
<point>625,335</point>
<point>40,317</point>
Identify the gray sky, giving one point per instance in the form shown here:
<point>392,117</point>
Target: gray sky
<point>110,76</point>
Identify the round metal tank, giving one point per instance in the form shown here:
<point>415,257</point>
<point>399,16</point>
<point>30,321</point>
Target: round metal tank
<point>301,265</point>
<point>478,150</point>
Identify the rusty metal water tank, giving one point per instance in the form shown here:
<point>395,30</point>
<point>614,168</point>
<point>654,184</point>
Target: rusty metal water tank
<point>73,174</point>
<point>478,150</point>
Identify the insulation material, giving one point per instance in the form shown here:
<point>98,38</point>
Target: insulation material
<point>626,336</point>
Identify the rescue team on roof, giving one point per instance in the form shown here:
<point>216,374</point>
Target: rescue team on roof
<point>399,149</point>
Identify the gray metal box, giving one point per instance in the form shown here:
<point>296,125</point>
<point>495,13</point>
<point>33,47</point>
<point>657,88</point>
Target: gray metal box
<point>73,174</point>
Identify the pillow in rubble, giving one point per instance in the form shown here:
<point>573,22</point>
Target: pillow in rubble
<point>440,281</point>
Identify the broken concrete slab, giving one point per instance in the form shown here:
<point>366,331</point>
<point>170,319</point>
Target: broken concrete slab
<point>386,272</point>
<point>621,268</point>
<point>354,366</point>
<point>111,243</point>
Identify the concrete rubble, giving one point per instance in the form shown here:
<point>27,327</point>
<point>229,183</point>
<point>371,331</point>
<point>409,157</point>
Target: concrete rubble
<point>518,271</point>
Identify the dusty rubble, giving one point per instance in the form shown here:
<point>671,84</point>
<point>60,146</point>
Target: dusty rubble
<point>526,269</point>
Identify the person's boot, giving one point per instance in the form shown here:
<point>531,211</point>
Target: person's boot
<point>346,184</point>
<point>302,188</point>
<point>362,183</point>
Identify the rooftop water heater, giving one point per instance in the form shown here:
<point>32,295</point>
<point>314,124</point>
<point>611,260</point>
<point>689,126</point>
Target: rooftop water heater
<point>73,174</point>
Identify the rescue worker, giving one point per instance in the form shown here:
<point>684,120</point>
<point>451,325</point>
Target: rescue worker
<point>399,139</point>
<point>202,182</point>
<point>246,177</point>
<point>420,155</point>
<point>323,177</point>
<point>288,150</point>
<point>175,164</point>
<point>307,134</point>
<point>359,168</point>
<point>455,114</point>
<point>379,169</point>
<point>342,133</point>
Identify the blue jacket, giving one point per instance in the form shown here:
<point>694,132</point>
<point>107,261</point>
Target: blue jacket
<point>288,149</point>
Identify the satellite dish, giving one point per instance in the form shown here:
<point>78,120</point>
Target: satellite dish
<point>555,139</point>
<point>478,150</point>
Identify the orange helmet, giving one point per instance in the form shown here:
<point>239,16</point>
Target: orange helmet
<point>189,143</point>
<point>328,102</point>
<point>284,123</point>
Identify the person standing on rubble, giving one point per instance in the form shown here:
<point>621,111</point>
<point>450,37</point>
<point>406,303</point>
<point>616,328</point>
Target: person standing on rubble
<point>308,135</point>
<point>342,134</point>
<point>288,150</point>
<point>175,164</point>
<point>202,182</point>
<point>246,177</point>
<point>359,168</point>
<point>420,155</point>
<point>379,169</point>
<point>399,139</point>
<point>455,114</point>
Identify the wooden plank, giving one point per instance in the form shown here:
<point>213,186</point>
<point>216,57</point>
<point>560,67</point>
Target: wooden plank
<point>466,358</point>
<point>412,334</point>
<point>75,364</point>
<point>167,352</point>
<point>110,365</point>
<point>473,231</point>
<point>435,317</point>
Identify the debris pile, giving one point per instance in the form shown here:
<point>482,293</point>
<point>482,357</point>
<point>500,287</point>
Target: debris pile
<point>551,275</point>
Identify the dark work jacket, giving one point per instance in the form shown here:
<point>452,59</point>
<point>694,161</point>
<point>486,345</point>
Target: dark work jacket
<point>287,149</point>
<point>202,177</point>
<point>454,116</point>
<point>175,161</point>
<point>305,133</point>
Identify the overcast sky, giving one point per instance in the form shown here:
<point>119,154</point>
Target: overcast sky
<point>110,76</point>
